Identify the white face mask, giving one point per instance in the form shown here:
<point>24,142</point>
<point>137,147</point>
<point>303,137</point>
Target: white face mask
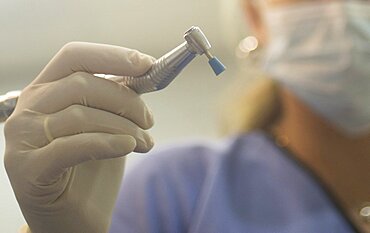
<point>321,52</point>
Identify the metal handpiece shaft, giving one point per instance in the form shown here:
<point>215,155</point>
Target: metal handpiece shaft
<point>160,75</point>
<point>163,71</point>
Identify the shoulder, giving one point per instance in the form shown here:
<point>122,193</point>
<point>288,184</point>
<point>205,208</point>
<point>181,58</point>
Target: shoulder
<point>176,187</point>
<point>250,165</point>
<point>166,188</point>
<point>199,157</point>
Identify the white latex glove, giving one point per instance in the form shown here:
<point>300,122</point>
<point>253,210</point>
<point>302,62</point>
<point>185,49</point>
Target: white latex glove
<point>66,137</point>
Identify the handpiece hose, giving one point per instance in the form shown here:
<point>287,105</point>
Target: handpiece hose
<point>7,104</point>
<point>161,74</point>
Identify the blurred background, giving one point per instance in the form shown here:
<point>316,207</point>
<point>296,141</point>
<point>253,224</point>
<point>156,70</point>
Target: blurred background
<point>33,31</point>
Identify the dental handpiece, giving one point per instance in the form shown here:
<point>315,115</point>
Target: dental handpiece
<point>161,74</point>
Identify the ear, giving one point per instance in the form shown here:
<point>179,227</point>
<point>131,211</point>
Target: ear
<point>253,15</point>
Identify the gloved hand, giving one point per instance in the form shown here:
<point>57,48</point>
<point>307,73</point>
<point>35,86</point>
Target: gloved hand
<point>68,133</point>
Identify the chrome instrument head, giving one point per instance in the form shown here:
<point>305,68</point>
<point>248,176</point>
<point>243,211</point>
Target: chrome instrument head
<point>198,43</point>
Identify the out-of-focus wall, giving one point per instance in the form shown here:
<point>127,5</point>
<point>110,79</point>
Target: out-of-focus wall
<point>33,31</point>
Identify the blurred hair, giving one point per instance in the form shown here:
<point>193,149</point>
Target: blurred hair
<point>251,107</point>
<point>251,102</point>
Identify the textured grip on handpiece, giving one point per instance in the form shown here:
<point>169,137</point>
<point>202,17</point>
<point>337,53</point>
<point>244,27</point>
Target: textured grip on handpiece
<point>162,73</point>
<point>158,77</point>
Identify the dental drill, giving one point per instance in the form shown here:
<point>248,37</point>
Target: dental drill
<point>161,74</point>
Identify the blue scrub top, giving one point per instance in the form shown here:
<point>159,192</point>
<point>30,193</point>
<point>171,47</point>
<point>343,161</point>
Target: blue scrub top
<point>242,184</point>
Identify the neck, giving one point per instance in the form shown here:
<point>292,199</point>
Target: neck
<point>342,162</point>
